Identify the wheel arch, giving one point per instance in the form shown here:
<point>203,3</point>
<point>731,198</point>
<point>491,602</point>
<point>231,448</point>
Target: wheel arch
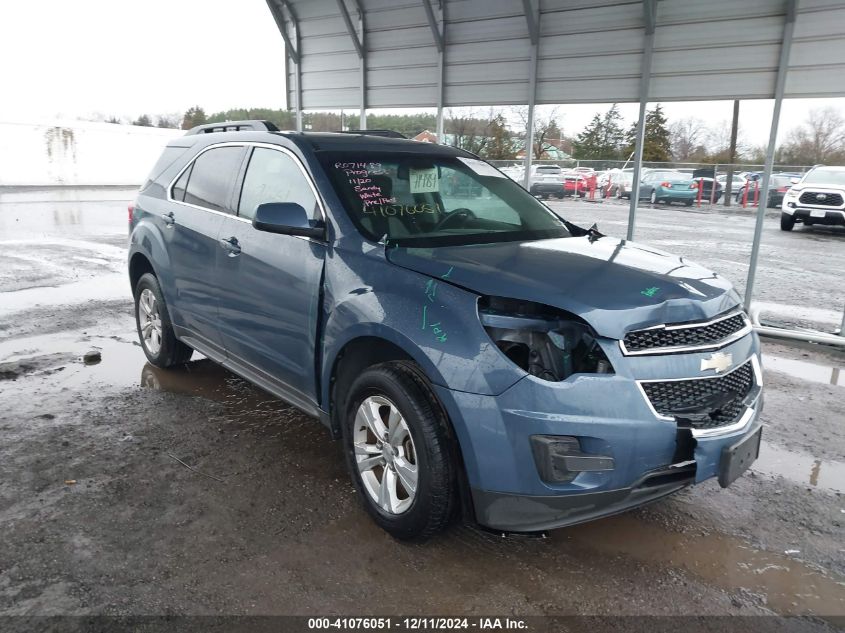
<point>366,350</point>
<point>139,265</point>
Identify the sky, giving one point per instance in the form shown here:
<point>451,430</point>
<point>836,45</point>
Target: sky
<point>64,59</point>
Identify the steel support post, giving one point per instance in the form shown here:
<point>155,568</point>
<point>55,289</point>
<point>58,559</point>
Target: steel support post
<point>780,82</point>
<point>650,19</point>
<point>532,17</point>
<point>438,32</point>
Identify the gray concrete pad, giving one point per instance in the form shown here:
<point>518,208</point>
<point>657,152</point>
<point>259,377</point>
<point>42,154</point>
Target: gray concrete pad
<point>99,514</point>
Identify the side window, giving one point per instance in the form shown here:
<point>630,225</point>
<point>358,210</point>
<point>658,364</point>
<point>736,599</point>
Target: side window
<point>273,176</point>
<point>178,192</point>
<point>211,177</point>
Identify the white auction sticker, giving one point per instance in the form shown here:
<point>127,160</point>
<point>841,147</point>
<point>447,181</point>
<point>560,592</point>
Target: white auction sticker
<point>481,168</point>
<point>424,180</point>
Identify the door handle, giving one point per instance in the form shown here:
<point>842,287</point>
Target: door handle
<point>169,218</point>
<point>231,245</point>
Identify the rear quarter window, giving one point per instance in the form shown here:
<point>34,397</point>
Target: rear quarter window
<point>212,175</point>
<point>169,156</point>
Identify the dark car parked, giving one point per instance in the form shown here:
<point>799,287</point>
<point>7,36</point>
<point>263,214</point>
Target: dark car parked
<point>475,353</point>
<point>779,184</point>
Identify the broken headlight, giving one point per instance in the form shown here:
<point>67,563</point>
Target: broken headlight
<point>545,342</point>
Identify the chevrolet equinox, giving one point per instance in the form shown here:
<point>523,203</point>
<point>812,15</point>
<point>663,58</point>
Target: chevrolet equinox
<point>476,354</point>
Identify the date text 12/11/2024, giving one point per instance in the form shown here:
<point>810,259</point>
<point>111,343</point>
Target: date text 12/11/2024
<point>418,623</point>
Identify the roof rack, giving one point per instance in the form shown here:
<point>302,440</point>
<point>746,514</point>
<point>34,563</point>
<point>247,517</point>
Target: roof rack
<point>233,126</point>
<point>385,133</point>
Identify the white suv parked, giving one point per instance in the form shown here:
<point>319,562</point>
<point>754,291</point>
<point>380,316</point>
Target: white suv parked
<point>818,198</point>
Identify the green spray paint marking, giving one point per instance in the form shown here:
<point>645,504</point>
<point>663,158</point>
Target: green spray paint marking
<point>424,307</point>
<point>431,289</point>
<point>448,272</point>
<point>650,292</point>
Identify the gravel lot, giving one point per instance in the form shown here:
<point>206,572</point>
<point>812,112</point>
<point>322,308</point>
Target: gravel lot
<point>100,515</point>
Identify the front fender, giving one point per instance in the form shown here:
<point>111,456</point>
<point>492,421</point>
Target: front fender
<point>434,322</point>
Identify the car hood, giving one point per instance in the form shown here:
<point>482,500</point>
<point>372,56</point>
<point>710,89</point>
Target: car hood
<point>615,285</point>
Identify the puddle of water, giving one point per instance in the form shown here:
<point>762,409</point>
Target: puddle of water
<point>805,370</point>
<point>65,212</point>
<point>100,288</point>
<point>120,366</point>
<point>801,468</point>
<point>790,587</point>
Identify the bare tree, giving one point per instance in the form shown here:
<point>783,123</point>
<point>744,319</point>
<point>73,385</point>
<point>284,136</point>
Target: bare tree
<point>718,142</point>
<point>548,134</point>
<point>820,140</point>
<point>470,130</point>
<point>687,137</point>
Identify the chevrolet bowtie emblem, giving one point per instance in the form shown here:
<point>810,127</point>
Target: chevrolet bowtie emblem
<point>718,362</point>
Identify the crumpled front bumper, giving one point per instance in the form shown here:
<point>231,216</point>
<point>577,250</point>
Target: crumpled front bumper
<point>610,416</point>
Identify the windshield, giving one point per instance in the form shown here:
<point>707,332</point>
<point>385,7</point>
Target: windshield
<point>418,200</point>
<point>825,177</point>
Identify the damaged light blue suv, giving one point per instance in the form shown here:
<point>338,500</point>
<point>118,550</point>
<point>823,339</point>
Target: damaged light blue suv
<point>476,354</point>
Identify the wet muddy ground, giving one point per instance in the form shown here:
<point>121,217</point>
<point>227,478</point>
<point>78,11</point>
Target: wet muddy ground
<point>100,513</point>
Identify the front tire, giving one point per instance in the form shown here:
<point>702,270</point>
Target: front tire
<point>398,448</point>
<point>787,222</point>
<point>155,329</point>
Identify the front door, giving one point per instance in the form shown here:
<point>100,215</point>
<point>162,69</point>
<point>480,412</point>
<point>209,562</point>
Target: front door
<point>269,284</point>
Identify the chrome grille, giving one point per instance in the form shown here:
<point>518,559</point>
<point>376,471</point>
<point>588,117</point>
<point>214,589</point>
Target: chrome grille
<point>703,403</point>
<point>694,335</point>
<point>829,200</point>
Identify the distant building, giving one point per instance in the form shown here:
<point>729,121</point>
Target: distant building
<point>426,137</point>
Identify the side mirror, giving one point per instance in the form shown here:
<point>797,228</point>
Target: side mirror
<point>287,218</point>
<point>794,181</point>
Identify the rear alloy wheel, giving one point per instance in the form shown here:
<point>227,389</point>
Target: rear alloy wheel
<point>155,331</point>
<point>398,448</point>
<point>787,222</point>
<point>653,198</point>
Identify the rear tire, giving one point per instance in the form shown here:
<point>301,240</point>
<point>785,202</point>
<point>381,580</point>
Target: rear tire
<point>688,203</point>
<point>407,478</point>
<point>787,222</point>
<point>653,197</point>
<point>155,330</point>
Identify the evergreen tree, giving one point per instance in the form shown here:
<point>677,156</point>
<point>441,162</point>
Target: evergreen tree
<point>657,143</point>
<point>588,144</point>
<point>143,120</point>
<point>193,117</point>
<point>602,138</point>
<point>501,145</point>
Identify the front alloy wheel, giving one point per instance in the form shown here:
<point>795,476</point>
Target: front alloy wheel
<point>385,455</point>
<point>400,450</point>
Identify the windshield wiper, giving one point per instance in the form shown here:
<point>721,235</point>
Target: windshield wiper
<point>592,233</point>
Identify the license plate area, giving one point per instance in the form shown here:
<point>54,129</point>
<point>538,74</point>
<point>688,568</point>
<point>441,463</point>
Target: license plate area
<point>737,458</point>
<point>817,213</point>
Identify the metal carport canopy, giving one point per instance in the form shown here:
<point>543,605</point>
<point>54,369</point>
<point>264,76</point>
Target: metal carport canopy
<point>588,51</point>
<point>441,53</point>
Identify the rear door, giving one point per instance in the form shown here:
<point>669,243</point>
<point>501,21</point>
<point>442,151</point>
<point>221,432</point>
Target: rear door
<point>269,283</point>
<point>202,194</point>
